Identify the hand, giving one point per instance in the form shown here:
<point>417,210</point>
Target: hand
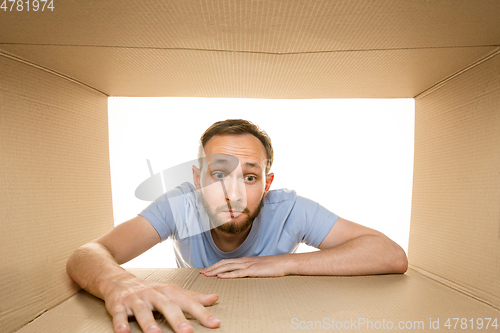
<point>138,297</point>
<point>277,265</point>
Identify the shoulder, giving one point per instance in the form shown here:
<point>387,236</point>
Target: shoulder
<point>288,200</point>
<point>181,195</point>
<point>275,197</point>
<point>186,187</point>
<point>189,194</point>
<point>288,197</point>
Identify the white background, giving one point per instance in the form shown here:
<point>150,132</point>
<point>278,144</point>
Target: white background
<point>355,157</point>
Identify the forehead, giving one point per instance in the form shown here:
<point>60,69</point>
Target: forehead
<point>246,147</point>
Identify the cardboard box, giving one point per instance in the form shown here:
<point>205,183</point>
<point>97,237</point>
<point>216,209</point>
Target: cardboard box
<point>58,67</point>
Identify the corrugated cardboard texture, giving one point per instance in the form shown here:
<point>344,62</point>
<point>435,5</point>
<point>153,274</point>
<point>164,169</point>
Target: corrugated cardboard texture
<point>455,225</point>
<point>271,304</point>
<point>253,26</point>
<point>181,73</point>
<point>257,49</point>
<point>55,187</point>
<point>55,183</point>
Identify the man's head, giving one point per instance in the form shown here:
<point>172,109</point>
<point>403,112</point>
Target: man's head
<point>237,127</point>
<point>235,157</point>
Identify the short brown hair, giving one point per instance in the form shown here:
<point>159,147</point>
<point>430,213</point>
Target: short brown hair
<point>238,127</point>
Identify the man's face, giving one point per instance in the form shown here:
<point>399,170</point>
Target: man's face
<point>232,181</point>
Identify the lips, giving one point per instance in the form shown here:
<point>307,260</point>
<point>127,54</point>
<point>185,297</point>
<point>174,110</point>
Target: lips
<point>226,210</point>
<point>233,213</point>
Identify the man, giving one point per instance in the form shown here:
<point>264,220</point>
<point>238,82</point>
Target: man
<point>232,225</point>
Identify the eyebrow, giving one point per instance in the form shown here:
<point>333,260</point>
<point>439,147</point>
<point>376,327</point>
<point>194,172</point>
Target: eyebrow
<point>248,165</point>
<point>252,165</point>
<point>219,161</point>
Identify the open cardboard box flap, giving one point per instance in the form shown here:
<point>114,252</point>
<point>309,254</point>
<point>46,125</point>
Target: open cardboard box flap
<point>58,68</point>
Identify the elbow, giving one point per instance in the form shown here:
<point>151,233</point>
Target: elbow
<point>402,265</point>
<point>395,261</point>
<point>72,263</point>
<point>76,263</point>
<point>400,261</point>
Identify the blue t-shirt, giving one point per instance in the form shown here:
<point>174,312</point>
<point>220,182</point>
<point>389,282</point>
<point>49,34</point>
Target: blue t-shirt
<point>285,221</point>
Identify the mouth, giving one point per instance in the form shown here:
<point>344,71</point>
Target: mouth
<point>233,213</point>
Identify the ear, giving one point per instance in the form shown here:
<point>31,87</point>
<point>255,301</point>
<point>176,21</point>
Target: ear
<point>196,178</point>
<point>269,181</point>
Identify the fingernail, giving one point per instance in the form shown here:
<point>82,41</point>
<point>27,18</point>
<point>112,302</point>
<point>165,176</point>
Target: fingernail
<point>183,326</point>
<point>213,319</point>
<point>153,328</point>
<point>121,328</point>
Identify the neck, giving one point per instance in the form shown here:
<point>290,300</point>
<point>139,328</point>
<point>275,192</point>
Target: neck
<point>228,242</point>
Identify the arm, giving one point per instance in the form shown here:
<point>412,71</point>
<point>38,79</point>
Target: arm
<point>95,267</point>
<point>96,263</point>
<point>348,249</point>
<point>351,249</point>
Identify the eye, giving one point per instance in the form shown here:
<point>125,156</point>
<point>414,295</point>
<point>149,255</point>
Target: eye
<point>218,175</point>
<point>250,179</point>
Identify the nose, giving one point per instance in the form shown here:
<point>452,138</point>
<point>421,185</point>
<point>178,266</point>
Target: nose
<point>235,190</point>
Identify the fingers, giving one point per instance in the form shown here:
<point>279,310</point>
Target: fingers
<point>227,268</point>
<point>204,299</point>
<point>120,321</point>
<point>144,316</point>
<point>248,266</point>
<point>194,303</point>
<point>170,300</point>
<point>222,263</point>
<point>198,311</point>
<point>142,313</point>
<point>234,274</point>
<point>173,314</point>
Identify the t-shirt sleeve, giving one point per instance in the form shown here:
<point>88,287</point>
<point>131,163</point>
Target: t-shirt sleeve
<point>160,213</point>
<point>314,221</point>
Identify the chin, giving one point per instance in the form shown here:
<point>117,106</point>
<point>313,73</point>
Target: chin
<point>231,223</point>
<point>234,227</point>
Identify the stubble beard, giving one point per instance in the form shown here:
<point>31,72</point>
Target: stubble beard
<point>232,227</point>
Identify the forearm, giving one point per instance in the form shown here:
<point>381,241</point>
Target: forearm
<point>93,268</point>
<point>365,255</point>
